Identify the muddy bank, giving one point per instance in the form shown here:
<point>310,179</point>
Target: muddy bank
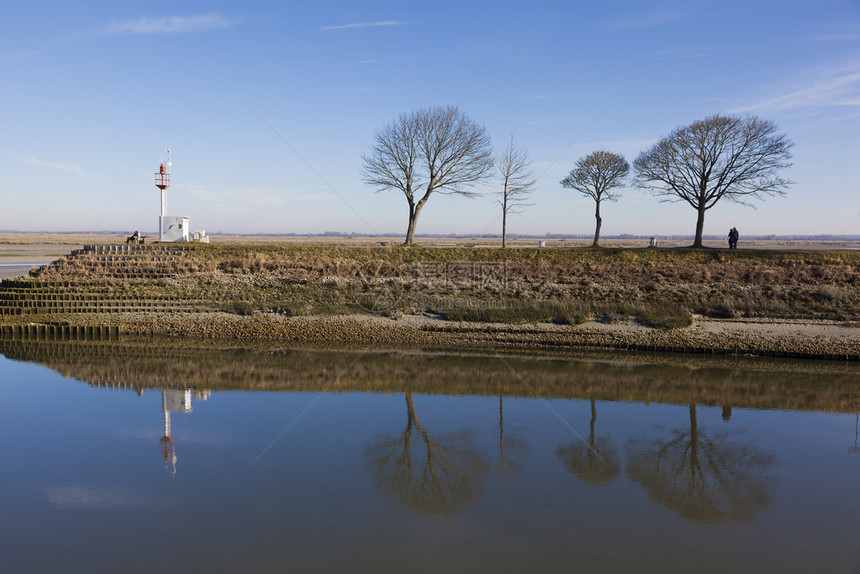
<point>812,340</point>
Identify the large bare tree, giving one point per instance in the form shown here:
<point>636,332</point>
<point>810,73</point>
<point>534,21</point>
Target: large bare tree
<point>731,157</point>
<point>430,150</point>
<point>597,175</point>
<point>518,182</point>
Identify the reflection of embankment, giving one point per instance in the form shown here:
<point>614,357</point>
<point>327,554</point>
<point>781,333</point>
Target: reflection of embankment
<point>766,384</point>
<point>717,381</point>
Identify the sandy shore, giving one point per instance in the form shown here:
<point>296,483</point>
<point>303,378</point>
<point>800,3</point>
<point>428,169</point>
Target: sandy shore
<point>18,260</point>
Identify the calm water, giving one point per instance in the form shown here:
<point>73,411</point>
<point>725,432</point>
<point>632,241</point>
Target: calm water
<point>272,460</point>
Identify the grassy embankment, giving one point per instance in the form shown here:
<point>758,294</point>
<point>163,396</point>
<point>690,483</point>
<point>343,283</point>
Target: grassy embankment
<point>154,290</point>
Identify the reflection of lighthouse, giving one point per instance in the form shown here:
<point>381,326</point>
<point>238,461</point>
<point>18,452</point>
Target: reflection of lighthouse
<point>175,401</point>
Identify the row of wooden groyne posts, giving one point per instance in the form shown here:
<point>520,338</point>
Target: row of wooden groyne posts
<point>122,261</point>
<point>60,332</point>
<point>86,304</point>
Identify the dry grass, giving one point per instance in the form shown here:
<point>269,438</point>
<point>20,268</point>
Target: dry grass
<point>659,287</point>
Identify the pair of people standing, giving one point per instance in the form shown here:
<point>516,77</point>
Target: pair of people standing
<point>733,238</point>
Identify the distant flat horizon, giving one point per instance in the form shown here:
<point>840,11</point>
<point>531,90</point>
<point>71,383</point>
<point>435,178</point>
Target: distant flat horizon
<point>346,234</point>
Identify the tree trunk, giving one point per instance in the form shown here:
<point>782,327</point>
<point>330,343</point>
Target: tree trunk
<point>504,219</point>
<point>700,226</point>
<point>597,227</point>
<point>410,230</point>
<point>414,210</point>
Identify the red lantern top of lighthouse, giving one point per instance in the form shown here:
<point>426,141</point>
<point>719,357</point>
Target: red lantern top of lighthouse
<point>162,178</point>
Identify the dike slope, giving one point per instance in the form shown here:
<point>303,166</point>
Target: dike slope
<point>778,303</point>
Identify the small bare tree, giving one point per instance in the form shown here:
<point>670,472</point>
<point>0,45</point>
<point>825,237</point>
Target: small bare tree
<point>518,182</point>
<point>730,157</point>
<point>597,175</point>
<point>430,150</point>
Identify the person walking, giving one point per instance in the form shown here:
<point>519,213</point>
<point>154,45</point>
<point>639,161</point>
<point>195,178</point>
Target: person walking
<point>733,238</point>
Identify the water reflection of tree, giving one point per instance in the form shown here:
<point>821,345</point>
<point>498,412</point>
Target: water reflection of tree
<point>512,448</point>
<point>595,462</point>
<point>707,479</point>
<point>441,478</point>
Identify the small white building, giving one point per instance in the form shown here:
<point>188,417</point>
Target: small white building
<point>173,228</point>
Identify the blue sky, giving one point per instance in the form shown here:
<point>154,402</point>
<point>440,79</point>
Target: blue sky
<point>269,106</point>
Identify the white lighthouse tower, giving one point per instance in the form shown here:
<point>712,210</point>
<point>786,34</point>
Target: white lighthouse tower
<point>169,228</point>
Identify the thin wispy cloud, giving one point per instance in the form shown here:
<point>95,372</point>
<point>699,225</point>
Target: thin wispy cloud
<point>828,88</point>
<point>649,19</point>
<point>20,55</point>
<point>170,24</point>
<point>33,161</point>
<point>363,62</point>
<point>85,497</point>
<point>361,89</point>
<point>242,199</point>
<point>384,23</point>
<point>844,33</point>
<point>150,434</point>
<point>551,96</point>
<point>644,59</point>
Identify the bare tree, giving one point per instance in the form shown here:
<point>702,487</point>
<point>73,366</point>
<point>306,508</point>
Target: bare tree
<point>596,175</point>
<point>730,157</point>
<point>428,150</point>
<point>518,182</point>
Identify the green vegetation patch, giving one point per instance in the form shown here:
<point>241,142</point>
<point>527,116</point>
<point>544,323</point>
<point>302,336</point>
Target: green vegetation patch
<point>668,316</point>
